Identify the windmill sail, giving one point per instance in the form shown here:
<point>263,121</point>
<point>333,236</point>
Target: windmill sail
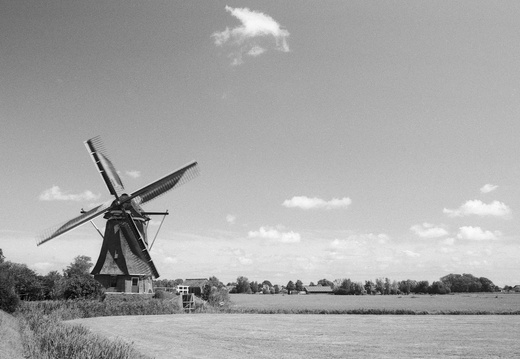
<point>73,223</point>
<point>104,165</point>
<point>166,183</point>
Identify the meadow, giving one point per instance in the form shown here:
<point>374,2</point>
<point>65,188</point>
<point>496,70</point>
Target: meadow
<point>124,327</point>
<point>235,336</point>
<point>463,303</point>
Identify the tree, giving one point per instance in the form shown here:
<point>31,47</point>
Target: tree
<point>406,286</point>
<point>342,286</point>
<point>467,283</point>
<point>53,284</point>
<point>298,286</point>
<point>254,287</point>
<point>27,284</point>
<point>370,287</point>
<point>387,286</point>
<point>290,286</point>
<point>439,287</point>
<point>9,300</point>
<point>1,256</point>
<point>422,287</point>
<point>380,286</point>
<point>82,287</point>
<point>267,283</point>
<point>243,285</point>
<point>80,266</point>
<point>276,289</point>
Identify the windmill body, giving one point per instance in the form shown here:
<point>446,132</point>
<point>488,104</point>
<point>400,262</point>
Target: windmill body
<point>124,263</point>
<point>121,265</point>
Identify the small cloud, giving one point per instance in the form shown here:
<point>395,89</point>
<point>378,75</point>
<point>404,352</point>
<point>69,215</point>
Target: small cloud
<point>56,194</point>
<point>411,254</point>
<point>255,27</point>
<point>477,234</point>
<point>256,51</point>
<point>275,234</point>
<point>231,219</point>
<point>479,208</point>
<point>304,202</point>
<point>488,188</point>
<point>133,174</point>
<point>428,230</point>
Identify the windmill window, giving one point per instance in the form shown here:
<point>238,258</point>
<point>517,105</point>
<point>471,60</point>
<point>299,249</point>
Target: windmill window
<point>135,281</point>
<point>113,281</point>
<point>115,254</point>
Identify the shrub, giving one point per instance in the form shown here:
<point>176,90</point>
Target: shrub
<point>8,298</point>
<point>82,286</point>
<point>159,294</point>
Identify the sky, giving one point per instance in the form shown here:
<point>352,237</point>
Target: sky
<point>345,139</point>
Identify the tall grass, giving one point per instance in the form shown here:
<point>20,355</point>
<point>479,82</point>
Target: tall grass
<point>46,335</point>
<point>67,310</point>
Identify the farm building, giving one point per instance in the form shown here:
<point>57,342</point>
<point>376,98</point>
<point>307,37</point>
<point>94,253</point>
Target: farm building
<point>195,285</point>
<point>317,289</point>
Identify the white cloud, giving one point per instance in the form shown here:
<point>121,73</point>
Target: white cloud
<point>304,202</point>
<point>477,234</point>
<point>255,27</point>
<point>411,254</point>
<point>428,230</point>
<point>275,234</point>
<point>133,174</point>
<point>477,207</point>
<point>256,51</point>
<point>488,188</point>
<point>231,219</point>
<point>56,194</point>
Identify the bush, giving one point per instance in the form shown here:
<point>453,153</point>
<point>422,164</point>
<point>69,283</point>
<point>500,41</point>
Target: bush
<point>9,300</point>
<point>341,291</point>
<point>82,287</point>
<point>215,296</point>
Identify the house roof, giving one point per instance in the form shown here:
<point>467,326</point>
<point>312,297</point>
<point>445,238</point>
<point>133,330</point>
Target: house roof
<point>317,289</point>
<point>195,282</point>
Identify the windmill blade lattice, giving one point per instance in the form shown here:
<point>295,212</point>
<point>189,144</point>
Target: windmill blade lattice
<point>105,167</point>
<point>166,183</point>
<point>73,223</point>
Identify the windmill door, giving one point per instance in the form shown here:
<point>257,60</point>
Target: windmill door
<point>135,285</point>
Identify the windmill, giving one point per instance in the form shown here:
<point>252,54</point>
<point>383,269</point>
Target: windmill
<point>124,263</point>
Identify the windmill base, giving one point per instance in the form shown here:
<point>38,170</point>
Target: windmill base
<point>125,283</point>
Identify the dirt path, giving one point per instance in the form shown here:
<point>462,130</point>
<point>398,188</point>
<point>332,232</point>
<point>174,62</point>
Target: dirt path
<point>10,339</point>
<point>315,336</point>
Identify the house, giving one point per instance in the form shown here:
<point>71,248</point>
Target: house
<point>317,289</point>
<point>196,285</point>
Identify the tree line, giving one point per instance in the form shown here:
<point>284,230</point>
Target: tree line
<point>19,282</point>
<point>451,283</point>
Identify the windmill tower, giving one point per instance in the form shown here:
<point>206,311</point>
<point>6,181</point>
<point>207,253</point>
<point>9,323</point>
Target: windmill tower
<point>124,263</point>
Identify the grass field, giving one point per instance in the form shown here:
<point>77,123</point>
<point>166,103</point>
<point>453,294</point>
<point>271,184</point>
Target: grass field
<point>315,336</point>
<point>478,303</point>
